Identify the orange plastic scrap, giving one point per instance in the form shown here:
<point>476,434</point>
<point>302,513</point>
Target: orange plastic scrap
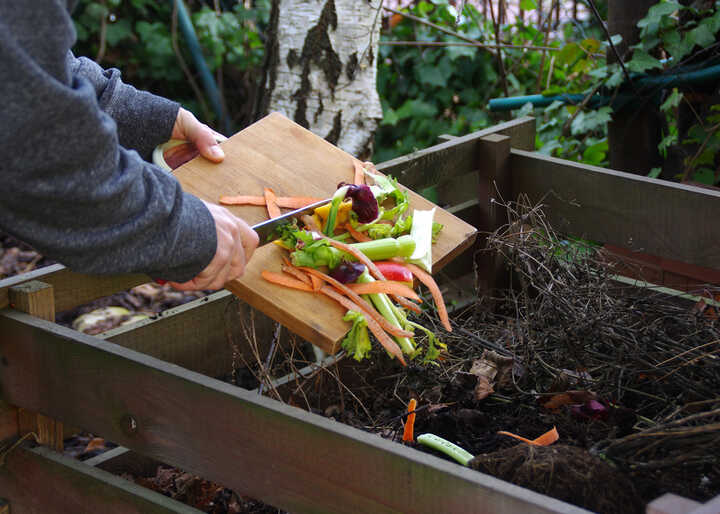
<point>408,435</point>
<point>546,439</point>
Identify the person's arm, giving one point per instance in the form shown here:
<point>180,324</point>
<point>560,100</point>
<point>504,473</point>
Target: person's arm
<point>144,120</point>
<point>69,188</point>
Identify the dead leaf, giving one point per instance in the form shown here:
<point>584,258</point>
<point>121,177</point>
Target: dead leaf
<point>96,443</point>
<point>491,369</point>
<point>559,400</point>
<point>483,389</point>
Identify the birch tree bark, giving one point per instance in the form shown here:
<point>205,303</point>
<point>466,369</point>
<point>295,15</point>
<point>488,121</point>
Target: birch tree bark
<point>320,69</point>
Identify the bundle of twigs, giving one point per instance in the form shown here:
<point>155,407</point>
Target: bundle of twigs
<point>573,325</point>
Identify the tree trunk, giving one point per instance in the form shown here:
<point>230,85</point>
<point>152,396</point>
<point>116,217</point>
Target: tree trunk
<point>634,133</point>
<point>320,69</point>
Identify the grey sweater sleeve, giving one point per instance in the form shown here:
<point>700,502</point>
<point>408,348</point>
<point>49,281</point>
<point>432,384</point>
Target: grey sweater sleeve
<point>69,187</point>
<point>143,120</point>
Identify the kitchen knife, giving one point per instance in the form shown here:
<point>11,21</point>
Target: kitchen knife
<point>267,230</point>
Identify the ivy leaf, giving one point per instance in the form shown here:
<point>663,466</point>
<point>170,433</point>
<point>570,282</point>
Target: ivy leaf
<point>677,45</point>
<point>416,109</point>
<point>569,54</point>
<point>702,35</point>
<point>431,75</point>
<point>118,31</point>
<point>704,176</point>
<point>673,101</point>
<point>596,153</point>
<point>617,78</point>
<point>643,61</point>
<point>657,11</point>
<point>587,121</point>
<point>528,5</point>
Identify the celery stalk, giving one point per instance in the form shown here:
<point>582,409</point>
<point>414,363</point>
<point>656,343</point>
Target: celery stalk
<point>377,250</point>
<point>446,447</point>
<point>421,232</point>
<point>385,308</point>
<point>337,199</point>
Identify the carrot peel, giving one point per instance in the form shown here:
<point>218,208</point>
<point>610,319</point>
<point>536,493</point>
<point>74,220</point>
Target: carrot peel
<point>546,439</point>
<point>408,435</point>
<point>427,279</point>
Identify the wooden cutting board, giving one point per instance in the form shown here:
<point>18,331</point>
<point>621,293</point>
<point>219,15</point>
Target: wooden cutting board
<point>275,152</point>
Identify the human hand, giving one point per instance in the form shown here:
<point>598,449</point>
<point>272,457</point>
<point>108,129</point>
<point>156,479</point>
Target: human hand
<point>188,128</point>
<point>236,242</point>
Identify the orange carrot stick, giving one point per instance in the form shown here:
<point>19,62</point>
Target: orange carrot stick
<point>242,200</point>
<point>546,439</point>
<point>298,274</point>
<point>366,307</point>
<point>384,339</point>
<point>387,287</point>
<point>359,177</point>
<point>285,280</point>
<point>286,202</point>
<point>427,279</point>
<point>316,283</point>
<point>408,435</point>
<point>271,203</point>
<point>360,237</point>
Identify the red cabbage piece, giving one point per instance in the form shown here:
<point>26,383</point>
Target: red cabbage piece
<point>364,203</point>
<point>347,272</point>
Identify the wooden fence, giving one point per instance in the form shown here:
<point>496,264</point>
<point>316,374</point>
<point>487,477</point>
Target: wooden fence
<point>160,399</point>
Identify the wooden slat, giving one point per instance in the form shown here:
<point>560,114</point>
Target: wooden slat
<point>669,220</point>
<point>493,191</point>
<point>282,455</point>
<point>447,161</point>
<point>39,481</point>
<point>8,421</point>
<point>37,299</point>
<point>72,289</point>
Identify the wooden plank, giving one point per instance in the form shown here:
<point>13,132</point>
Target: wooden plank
<point>8,421</point>
<point>494,189</point>
<point>72,289</point>
<point>37,299</point>
<point>279,454</point>
<point>447,161</point>
<point>671,504</point>
<point>276,152</point>
<point>639,213</point>
<point>39,481</point>
<point>711,507</point>
<point>196,335</point>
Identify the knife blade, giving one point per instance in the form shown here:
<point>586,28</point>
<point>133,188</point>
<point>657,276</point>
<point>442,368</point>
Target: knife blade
<point>267,230</point>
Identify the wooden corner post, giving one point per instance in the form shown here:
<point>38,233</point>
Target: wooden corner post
<point>493,193</point>
<point>37,299</point>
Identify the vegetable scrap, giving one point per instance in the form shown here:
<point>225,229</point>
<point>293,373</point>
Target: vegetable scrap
<point>546,439</point>
<point>408,435</point>
<point>364,251</point>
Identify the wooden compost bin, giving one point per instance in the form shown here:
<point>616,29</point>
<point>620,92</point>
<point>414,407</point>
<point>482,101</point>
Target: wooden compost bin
<point>149,387</point>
